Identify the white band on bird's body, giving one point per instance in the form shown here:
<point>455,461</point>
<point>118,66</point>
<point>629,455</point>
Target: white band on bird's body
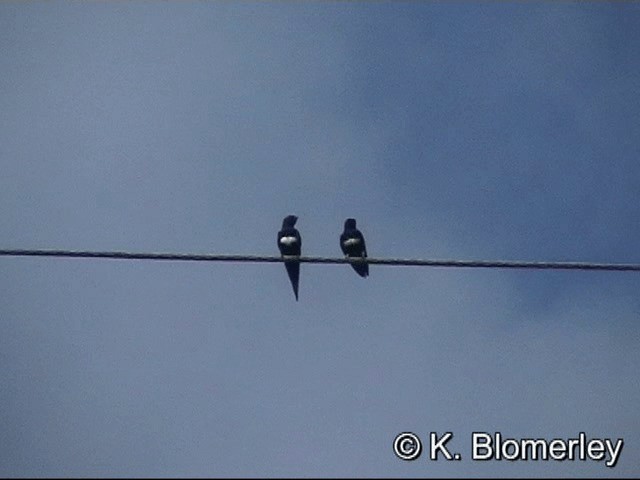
<point>288,240</point>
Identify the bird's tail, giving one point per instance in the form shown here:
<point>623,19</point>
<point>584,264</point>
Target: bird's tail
<point>293,270</point>
<point>361,268</point>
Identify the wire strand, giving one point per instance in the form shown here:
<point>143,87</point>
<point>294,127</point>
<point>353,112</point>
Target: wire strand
<point>628,267</point>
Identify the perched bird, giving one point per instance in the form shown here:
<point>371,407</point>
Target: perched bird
<point>290,243</point>
<point>352,245</point>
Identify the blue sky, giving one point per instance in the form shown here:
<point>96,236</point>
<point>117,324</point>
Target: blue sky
<point>448,130</point>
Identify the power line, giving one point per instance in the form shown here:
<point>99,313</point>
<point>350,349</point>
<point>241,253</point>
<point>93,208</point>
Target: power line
<point>628,267</point>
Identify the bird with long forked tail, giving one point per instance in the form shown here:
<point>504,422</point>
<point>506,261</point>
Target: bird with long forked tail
<point>353,245</point>
<point>290,244</point>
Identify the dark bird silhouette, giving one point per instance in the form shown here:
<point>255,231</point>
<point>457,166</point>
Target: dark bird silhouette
<point>290,243</point>
<point>352,245</point>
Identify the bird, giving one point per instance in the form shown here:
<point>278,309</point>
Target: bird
<point>290,244</point>
<point>353,245</point>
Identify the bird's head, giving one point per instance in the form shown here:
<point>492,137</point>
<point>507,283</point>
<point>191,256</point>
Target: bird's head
<point>350,223</point>
<point>289,221</point>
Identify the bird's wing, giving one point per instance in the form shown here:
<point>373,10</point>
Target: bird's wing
<point>364,245</point>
